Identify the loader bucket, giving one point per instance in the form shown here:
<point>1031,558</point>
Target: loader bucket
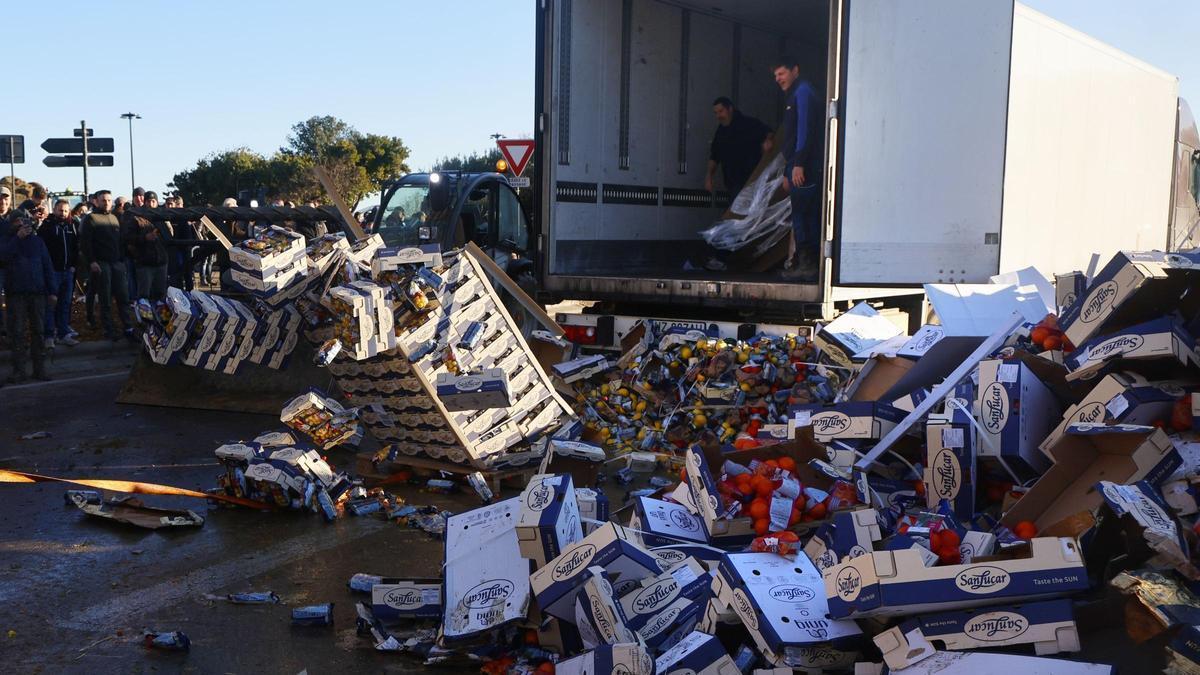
<point>254,389</point>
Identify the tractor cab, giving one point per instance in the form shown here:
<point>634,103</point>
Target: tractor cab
<point>452,208</point>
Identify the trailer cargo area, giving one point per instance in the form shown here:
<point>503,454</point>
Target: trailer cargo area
<point>961,140</point>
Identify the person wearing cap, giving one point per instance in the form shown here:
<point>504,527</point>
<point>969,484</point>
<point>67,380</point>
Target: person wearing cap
<point>148,243</point>
<point>27,285</point>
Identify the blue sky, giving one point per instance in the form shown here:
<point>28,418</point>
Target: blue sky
<point>217,74</point>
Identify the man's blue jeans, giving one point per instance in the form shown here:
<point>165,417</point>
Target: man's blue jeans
<point>58,317</point>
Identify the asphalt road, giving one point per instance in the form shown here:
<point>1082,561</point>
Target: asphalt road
<point>77,591</point>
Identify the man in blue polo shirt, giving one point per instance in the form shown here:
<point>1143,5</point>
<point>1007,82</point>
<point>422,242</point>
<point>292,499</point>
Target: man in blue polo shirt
<point>804,122</point>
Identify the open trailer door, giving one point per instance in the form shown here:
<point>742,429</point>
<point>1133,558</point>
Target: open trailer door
<point>922,123</point>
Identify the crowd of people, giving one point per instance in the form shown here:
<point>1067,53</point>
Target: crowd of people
<point>114,255</point>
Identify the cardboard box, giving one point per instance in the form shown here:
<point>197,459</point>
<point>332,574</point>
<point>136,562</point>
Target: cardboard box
<point>593,506</point>
<point>856,331</point>
<point>951,444</point>
<point>1161,342</point>
<point>877,376</point>
<point>850,420</point>
<point>698,654</point>
<point>781,603</point>
<point>1183,652</point>
<point>987,663</point>
<point>1016,411</point>
<point>1123,398</point>
<point>245,339</point>
<point>597,614</point>
<point>663,523</point>
<point>851,534</point>
<point>227,337</point>
<point>1085,455</point>
<point>321,418</point>
<point>487,580</point>
<point>171,327</point>
<point>611,547</point>
<point>664,608</point>
<point>622,659</point>
<point>394,257</point>
<point>287,247</point>
<point>265,286</point>
<point>207,327</point>
<point>1153,536</point>
<point>723,531</point>
<point>922,341</point>
<point>1132,288</point>
<point>394,599</point>
<point>1048,626</point>
<point>549,520</point>
<point>898,583</point>
<point>1067,289</point>
<point>474,391</point>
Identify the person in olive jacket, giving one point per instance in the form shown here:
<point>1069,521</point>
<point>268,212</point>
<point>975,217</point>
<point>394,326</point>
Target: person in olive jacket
<point>103,252</point>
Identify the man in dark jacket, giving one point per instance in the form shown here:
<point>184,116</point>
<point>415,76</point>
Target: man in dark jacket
<point>147,242</point>
<point>28,283</point>
<point>101,249</point>
<point>804,126</point>
<point>62,241</point>
<point>737,146</point>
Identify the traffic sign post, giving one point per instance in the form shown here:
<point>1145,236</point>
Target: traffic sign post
<point>517,152</point>
<point>78,151</point>
<point>518,181</point>
<point>12,150</point>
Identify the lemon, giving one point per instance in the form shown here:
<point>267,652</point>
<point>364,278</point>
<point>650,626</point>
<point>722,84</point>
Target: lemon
<point>604,389</point>
<point>743,357</point>
<point>699,421</point>
<point>685,353</point>
<point>641,406</point>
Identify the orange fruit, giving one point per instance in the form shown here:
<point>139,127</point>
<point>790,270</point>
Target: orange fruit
<point>759,508</point>
<point>787,463</point>
<point>1052,342</point>
<point>772,463</point>
<point>795,517</point>
<point>545,668</point>
<point>762,526</point>
<point>1038,335</point>
<point>818,510</point>
<point>1025,529</point>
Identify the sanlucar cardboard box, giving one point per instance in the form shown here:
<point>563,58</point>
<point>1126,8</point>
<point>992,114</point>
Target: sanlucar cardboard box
<point>664,523</point>
<point>1049,626</point>
<point>851,534</point>
<point>611,547</point>
<point>897,583</point>
<point>781,603</point>
<point>393,599</point>
<point>665,607</point>
<point>1157,341</point>
<point>988,663</point>
<point>1132,288</point>
<point>1123,398</point>
<point>1086,454</point>
<point>1016,411</point>
<point>724,531</point>
<point>487,580</point>
<point>549,520</point>
<point>697,654</point>
<point>597,615</point>
<point>620,659</point>
<point>951,444</point>
<point>850,420</point>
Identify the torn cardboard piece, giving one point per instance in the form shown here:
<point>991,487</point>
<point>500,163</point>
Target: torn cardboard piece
<point>132,511</point>
<point>487,580</point>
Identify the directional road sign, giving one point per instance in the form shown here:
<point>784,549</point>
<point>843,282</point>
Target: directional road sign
<point>518,153</point>
<point>12,149</point>
<point>79,133</point>
<point>58,161</point>
<point>69,145</point>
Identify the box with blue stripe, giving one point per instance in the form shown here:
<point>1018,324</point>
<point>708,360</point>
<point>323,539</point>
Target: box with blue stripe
<point>1049,626</point>
<point>897,583</point>
<point>549,519</point>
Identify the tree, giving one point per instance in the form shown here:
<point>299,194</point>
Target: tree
<point>475,162</point>
<point>20,190</point>
<point>357,164</point>
<point>222,175</point>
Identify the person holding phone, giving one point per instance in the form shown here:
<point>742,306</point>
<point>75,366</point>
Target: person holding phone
<point>28,284</point>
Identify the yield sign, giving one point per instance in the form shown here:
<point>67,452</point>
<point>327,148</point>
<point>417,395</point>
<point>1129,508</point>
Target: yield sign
<point>517,153</point>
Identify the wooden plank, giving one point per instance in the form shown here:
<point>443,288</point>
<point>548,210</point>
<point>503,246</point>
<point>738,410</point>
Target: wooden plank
<point>344,210</point>
<point>501,277</point>
<point>215,232</point>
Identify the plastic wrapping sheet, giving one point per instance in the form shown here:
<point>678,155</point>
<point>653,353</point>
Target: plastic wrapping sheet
<point>764,224</point>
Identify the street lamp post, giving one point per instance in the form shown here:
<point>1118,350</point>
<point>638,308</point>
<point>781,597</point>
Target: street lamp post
<point>131,117</point>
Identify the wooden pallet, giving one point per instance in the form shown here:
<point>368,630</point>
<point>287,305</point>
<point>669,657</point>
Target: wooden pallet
<point>424,466</point>
<point>399,399</point>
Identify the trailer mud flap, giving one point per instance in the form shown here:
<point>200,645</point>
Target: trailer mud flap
<point>254,389</point>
